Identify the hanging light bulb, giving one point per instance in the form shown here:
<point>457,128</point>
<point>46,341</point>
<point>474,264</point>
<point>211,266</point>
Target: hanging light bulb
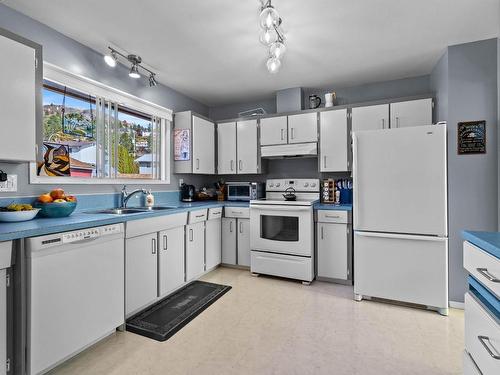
<point>111,59</point>
<point>269,36</point>
<point>273,64</point>
<point>269,17</point>
<point>134,72</point>
<point>277,49</point>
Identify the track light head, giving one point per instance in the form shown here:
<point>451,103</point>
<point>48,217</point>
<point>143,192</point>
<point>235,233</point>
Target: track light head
<point>111,59</point>
<point>134,72</point>
<point>152,80</point>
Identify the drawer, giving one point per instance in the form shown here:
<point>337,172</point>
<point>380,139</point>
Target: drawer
<point>197,216</point>
<point>470,367</point>
<point>242,212</point>
<point>5,254</point>
<point>482,336</point>
<point>483,266</point>
<point>136,228</point>
<point>214,213</point>
<point>332,216</point>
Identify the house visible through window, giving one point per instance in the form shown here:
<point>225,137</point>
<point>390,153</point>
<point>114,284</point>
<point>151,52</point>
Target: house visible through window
<point>89,136</point>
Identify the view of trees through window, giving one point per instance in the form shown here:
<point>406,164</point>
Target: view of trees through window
<point>70,120</point>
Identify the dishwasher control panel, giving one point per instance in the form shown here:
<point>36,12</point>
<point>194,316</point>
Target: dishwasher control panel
<point>87,234</point>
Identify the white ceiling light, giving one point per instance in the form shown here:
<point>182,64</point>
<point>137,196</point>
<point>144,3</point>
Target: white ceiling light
<point>272,35</point>
<point>135,61</point>
<point>273,64</point>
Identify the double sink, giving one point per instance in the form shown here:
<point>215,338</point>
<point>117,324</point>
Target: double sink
<point>135,210</point>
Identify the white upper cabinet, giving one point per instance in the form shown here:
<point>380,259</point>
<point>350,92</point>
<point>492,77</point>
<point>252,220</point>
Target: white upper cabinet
<point>411,113</point>
<point>273,131</point>
<point>371,117</point>
<point>334,141</point>
<point>203,146</point>
<point>247,147</point>
<point>226,136</point>
<point>201,134</point>
<point>303,128</point>
<point>17,101</point>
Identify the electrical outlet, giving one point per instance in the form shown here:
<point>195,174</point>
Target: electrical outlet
<point>10,185</point>
<point>181,181</point>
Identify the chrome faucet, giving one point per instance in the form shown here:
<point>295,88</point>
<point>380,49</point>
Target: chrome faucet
<point>126,196</point>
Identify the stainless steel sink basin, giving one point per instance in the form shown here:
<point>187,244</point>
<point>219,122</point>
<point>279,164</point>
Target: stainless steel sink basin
<point>118,211</point>
<point>155,208</point>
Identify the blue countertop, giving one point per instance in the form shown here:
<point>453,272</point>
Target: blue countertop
<point>488,241</point>
<point>329,206</point>
<point>81,219</point>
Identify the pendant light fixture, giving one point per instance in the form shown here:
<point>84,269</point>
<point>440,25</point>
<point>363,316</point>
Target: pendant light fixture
<point>135,60</point>
<point>272,36</point>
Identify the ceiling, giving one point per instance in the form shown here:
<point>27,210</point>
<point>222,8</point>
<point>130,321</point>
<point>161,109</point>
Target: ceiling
<point>210,50</point>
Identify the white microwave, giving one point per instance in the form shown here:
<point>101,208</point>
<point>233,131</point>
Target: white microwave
<point>245,191</point>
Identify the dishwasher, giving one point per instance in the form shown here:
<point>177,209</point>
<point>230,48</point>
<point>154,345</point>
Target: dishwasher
<point>75,289</point>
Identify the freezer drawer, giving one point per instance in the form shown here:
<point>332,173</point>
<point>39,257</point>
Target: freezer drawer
<point>402,267</point>
<point>293,267</point>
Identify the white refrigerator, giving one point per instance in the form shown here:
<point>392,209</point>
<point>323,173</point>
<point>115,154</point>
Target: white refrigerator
<point>400,215</point>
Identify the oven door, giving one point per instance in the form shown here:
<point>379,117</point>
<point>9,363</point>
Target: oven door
<point>282,229</point>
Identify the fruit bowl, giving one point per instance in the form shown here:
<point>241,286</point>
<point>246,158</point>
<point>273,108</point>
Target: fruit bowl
<point>16,216</point>
<point>56,209</point>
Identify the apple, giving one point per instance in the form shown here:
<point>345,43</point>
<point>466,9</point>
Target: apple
<point>70,198</point>
<point>57,194</point>
<point>45,198</point>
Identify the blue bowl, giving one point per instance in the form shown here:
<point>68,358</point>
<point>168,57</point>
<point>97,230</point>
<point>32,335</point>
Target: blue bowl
<point>56,209</point>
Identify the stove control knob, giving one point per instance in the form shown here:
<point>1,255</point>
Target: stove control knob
<point>306,184</point>
<point>278,184</point>
<point>313,184</point>
<point>271,184</point>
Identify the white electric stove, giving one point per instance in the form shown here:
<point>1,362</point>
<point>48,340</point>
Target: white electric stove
<point>282,231</point>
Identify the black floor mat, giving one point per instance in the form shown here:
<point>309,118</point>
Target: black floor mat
<point>162,320</point>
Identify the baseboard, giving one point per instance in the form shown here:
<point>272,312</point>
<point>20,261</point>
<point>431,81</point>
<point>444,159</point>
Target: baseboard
<point>457,305</point>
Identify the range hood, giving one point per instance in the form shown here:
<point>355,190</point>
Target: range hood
<point>290,150</point>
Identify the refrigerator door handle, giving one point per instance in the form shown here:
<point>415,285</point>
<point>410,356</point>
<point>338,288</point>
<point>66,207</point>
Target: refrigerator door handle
<point>401,236</point>
<point>355,179</point>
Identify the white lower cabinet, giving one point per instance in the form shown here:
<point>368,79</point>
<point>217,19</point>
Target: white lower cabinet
<point>141,281</point>
<point>213,241</point>
<point>170,260</point>
<point>334,246</point>
<point>195,250</point>
<point>229,240</point>
<point>5,263</point>
<point>243,242</point>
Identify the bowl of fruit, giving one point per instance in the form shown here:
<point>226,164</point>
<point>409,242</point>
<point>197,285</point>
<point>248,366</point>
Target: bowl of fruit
<point>17,212</point>
<point>56,204</point>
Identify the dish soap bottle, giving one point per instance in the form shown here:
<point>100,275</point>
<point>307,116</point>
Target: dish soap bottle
<point>150,199</point>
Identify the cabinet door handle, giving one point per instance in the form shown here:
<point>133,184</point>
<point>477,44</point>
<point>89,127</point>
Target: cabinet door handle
<point>201,215</point>
<point>483,340</point>
<point>484,272</point>
<point>281,134</point>
<point>324,161</point>
<point>397,122</point>
<point>232,165</point>
<point>197,163</point>
<point>383,123</point>
<point>241,227</point>
<point>322,235</point>
<point>165,242</point>
<point>153,246</point>
<point>231,226</point>
<point>240,165</point>
<point>190,235</point>
<point>293,133</point>
<point>333,216</point>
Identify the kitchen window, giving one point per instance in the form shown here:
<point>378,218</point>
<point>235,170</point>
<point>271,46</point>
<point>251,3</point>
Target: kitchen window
<point>95,134</point>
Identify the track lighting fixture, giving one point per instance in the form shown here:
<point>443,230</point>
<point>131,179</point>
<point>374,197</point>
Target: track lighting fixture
<point>135,60</point>
<point>272,36</point>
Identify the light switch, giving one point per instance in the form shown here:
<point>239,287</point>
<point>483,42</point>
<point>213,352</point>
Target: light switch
<point>10,185</point>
